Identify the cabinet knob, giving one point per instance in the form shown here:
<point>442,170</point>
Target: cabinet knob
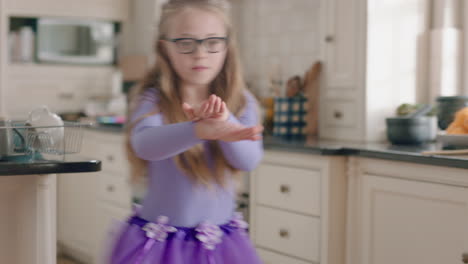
<point>284,233</point>
<point>465,257</point>
<point>110,158</point>
<point>110,188</point>
<point>338,114</point>
<point>285,188</point>
<point>329,38</point>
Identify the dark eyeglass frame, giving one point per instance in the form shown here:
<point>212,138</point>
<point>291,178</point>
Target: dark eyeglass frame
<point>199,42</point>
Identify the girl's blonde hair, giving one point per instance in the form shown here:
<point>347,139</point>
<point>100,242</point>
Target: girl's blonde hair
<point>229,85</point>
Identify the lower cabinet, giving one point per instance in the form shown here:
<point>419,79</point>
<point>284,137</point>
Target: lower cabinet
<point>269,257</point>
<point>298,208</point>
<point>406,213</point>
<point>91,205</point>
<point>108,227</point>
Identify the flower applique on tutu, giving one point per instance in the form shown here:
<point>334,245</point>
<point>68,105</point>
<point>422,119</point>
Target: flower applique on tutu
<point>145,242</point>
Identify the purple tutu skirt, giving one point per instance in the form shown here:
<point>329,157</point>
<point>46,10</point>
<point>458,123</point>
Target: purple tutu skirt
<point>142,242</point>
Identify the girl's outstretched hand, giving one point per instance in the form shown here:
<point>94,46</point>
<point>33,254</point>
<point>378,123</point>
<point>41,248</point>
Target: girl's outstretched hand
<point>213,107</point>
<point>211,122</point>
<point>213,129</point>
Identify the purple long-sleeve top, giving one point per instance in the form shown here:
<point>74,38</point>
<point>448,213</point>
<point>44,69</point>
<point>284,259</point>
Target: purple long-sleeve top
<point>170,191</point>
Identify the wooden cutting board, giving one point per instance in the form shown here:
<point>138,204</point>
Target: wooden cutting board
<point>311,91</point>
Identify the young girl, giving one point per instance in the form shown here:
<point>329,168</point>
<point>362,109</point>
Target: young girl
<point>193,126</point>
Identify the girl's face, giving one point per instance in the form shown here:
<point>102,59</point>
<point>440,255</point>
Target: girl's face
<point>195,63</point>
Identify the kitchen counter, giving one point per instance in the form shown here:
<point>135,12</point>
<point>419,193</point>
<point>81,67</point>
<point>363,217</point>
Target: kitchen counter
<point>107,128</point>
<point>71,164</point>
<point>28,205</point>
<point>386,151</point>
<point>408,153</point>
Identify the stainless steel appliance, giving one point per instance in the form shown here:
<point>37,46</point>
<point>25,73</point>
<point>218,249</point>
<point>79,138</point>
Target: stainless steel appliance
<point>75,41</point>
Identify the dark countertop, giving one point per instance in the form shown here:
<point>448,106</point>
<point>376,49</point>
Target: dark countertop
<point>370,150</point>
<point>386,151</point>
<point>71,164</point>
<point>119,129</point>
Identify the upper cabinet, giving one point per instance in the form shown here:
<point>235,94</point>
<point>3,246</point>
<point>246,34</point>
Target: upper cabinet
<point>374,56</point>
<point>99,9</point>
<point>341,43</point>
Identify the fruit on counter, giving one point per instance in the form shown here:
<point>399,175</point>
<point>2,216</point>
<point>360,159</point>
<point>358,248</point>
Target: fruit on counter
<point>460,123</point>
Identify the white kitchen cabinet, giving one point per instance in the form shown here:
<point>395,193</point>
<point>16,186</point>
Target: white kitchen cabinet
<point>90,204</point>
<point>342,43</point>
<point>374,55</point>
<point>141,30</point>
<point>406,213</point>
<point>269,257</point>
<point>297,208</point>
<point>110,220</point>
<point>99,9</point>
<point>63,88</point>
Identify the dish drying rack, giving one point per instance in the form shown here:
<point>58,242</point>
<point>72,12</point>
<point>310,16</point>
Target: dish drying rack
<point>54,140</point>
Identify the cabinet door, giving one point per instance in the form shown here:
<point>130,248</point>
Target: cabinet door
<point>103,9</point>
<point>342,37</point>
<point>109,222</point>
<point>62,88</point>
<point>405,221</point>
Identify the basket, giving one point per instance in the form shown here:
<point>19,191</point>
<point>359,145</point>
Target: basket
<point>54,140</point>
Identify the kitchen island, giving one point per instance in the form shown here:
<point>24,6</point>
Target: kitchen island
<point>28,207</point>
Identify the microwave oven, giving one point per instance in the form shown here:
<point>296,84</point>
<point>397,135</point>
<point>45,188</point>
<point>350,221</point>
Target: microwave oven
<point>75,41</point>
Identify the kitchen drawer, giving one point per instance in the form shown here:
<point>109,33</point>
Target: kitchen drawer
<point>289,188</point>
<point>109,149</point>
<point>115,189</point>
<point>112,155</point>
<point>288,233</point>
<point>269,257</point>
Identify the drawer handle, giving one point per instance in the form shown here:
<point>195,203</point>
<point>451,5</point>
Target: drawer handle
<point>284,233</point>
<point>465,257</point>
<point>110,158</point>
<point>285,188</point>
<point>110,188</point>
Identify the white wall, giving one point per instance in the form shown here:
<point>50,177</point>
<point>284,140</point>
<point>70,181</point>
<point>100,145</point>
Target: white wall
<point>277,34</point>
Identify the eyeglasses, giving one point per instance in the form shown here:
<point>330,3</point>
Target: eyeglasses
<point>189,45</point>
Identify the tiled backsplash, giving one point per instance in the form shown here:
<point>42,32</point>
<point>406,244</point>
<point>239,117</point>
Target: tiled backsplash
<point>277,36</point>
